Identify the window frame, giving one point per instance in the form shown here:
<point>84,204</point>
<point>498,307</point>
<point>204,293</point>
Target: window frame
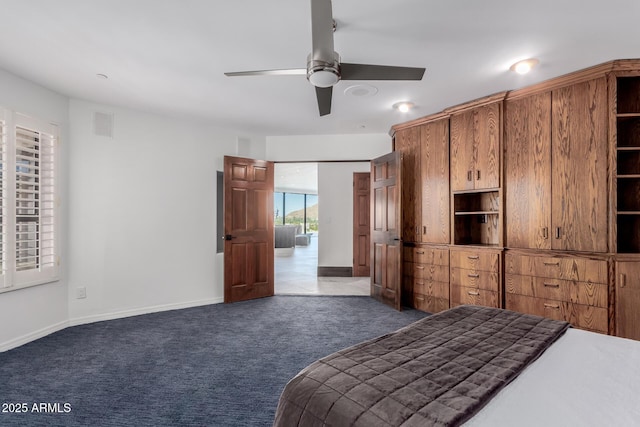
<point>12,278</point>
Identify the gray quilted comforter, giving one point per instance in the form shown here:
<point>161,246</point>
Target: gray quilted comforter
<point>438,371</point>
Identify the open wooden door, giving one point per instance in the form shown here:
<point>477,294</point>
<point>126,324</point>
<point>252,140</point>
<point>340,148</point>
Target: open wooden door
<point>386,243</point>
<point>248,229</point>
<point>361,224</point>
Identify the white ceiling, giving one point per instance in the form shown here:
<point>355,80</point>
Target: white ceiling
<point>296,177</point>
<point>169,56</point>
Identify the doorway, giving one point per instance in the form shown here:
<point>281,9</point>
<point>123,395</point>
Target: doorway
<point>320,262</point>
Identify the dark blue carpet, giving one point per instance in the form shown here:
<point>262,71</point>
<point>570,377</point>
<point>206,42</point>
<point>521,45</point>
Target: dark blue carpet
<point>217,365</point>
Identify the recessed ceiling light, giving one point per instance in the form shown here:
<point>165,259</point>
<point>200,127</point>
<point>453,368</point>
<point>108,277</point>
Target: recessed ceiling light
<point>524,66</point>
<point>404,106</point>
<point>102,76</point>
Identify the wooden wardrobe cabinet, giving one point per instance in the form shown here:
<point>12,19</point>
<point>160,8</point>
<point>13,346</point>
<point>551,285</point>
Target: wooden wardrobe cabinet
<point>475,148</point>
<point>556,169</point>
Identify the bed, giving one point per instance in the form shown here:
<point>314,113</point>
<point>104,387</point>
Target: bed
<point>471,365</point>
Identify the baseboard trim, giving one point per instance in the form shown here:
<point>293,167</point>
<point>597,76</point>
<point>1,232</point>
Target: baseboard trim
<point>335,271</point>
<point>41,333</point>
<point>142,310</point>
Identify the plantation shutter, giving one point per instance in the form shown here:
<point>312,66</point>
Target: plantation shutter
<point>3,204</point>
<point>35,257</point>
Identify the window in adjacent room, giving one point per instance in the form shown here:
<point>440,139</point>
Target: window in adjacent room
<point>28,211</point>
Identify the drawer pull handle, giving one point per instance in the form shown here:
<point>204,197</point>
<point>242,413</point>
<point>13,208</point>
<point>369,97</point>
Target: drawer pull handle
<point>475,276</point>
<point>420,252</point>
<point>551,285</point>
<point>420,298</point>
<point>420,283</point>
<point>420,267</point>
<point>622,280</point>
<point>554,306</point>
<point>558,233</point>
<point>424,229</point>
<point>469,175</point>
<point>473,257</point>
<point>475,294</point>
<point>545,233</point>
<point>555,264</point>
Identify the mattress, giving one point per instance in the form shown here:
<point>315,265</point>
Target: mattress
<point>584,379</point>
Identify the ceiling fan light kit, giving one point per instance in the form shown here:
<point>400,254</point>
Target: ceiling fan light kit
<point>324,68</point>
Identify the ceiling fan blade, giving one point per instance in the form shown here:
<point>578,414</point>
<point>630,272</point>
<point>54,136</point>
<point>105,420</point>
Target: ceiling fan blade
<point>322,31</point>
<point>379,72</point>
<point>324,99</point>
<point>287,72</point>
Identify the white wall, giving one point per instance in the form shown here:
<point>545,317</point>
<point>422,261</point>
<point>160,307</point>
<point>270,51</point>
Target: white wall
<point>327,147</point>
<point>31,313</point>
<point>143,213</point>
<point>335,212</point>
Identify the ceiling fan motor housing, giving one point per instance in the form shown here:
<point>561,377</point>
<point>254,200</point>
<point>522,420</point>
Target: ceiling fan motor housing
<point>322,73</point>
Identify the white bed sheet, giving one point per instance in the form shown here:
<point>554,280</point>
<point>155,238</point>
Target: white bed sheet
<point>583,379</point>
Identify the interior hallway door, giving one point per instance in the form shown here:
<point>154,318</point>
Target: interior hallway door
<point>386,243</point>
<point>248,229</point>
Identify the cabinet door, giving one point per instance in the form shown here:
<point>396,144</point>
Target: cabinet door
<point>628,300</point>
<point>527,126</point>
<point>462,149</point>
<point>408,143</point>
<point>434,165</point>
<point>579,167</point>
<point>486,173</point>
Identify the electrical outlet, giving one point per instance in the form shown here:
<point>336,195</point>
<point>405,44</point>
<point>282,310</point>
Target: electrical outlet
<point>81,293</point>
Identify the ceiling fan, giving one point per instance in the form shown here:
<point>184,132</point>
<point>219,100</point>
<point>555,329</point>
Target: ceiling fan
<point>324,68</point>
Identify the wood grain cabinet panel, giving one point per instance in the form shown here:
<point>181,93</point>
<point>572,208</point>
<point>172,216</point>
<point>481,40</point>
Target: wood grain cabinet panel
<point>527,170</point>
<point>628,299</point>
<point>475,148</point>
<point>557,267</point>
<point>434,181</point>
<point>579,173</point>
<point>474,296</point>
<point>407,142</point>
<point>475,260</point>
<point>489,280</point>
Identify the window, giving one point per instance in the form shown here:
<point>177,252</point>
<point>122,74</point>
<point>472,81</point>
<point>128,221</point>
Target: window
<point>28,212</point>
<point>296,209</point>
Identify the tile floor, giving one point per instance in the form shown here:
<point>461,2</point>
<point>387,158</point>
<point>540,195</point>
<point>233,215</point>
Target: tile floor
<point>296,274</point>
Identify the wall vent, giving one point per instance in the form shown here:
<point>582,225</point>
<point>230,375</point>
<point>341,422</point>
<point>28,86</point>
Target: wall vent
<point>103,124</point>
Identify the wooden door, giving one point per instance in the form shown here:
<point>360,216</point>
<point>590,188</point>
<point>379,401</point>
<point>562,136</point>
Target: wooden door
<point>248,228</point>
<point>434,169</point>
<point>486,136</point>
<point>408,144</point>
<point>527,126</point>
<point>628,300</point>
<point>579,167</point>
<point>361,224</point>
<point>462,151</point>
<point>386,244</point>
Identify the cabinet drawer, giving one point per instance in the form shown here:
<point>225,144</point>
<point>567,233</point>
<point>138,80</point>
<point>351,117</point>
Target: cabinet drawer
<point>426,255</point>
<point>568,268</point>
<point>581,316</point>
<point>586,293</point>
<point>476,260</point>
<point>431,288</point>
<point>430,304</point>
<point>464,295</point>
<point>439,273</point>
<point>487,280</point>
